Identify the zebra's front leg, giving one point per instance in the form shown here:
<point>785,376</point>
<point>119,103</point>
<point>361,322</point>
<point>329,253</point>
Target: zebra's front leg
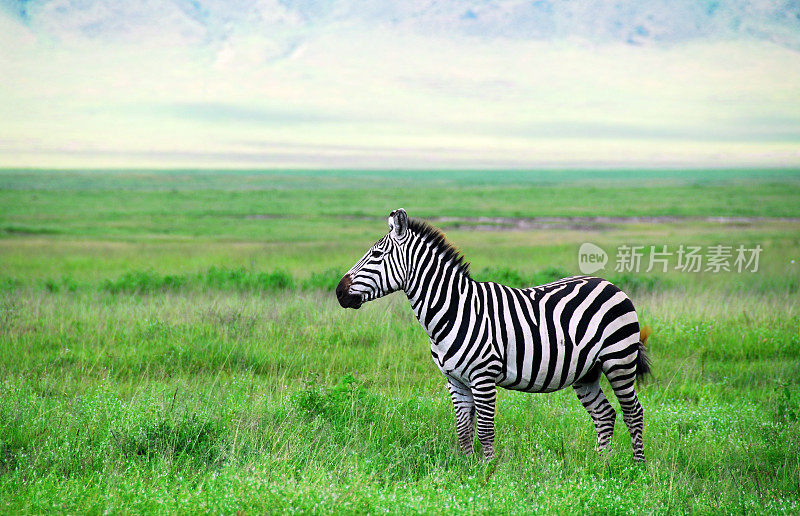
<point>484,392</point>
<point>465,414</point>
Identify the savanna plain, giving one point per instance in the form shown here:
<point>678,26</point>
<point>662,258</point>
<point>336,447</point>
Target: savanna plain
<point>170,342</point>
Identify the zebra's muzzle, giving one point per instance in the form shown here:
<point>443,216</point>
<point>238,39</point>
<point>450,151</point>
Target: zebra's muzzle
<point>346,299</point>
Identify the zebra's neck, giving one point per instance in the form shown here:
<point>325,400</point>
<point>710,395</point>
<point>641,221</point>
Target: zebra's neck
<point>436,286</point>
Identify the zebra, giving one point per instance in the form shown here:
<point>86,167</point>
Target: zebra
<point>485,335</point>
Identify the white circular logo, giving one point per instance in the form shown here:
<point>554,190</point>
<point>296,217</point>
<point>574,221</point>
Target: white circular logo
<point>591,258</point>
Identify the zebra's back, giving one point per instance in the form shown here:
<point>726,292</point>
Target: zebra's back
<point>553,334</point>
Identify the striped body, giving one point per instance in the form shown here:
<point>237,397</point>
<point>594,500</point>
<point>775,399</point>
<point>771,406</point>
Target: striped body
<point>539,339</point>
<point>484,335</point>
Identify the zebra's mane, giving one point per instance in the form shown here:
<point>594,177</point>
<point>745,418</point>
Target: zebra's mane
<point>437,240</point>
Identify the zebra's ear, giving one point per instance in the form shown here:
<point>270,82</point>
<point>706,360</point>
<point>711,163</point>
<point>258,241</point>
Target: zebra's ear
<point>398,222</point>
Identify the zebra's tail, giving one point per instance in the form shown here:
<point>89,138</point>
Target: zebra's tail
<point>642,362</point>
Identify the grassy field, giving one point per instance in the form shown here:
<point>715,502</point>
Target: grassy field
<point>169,342</point>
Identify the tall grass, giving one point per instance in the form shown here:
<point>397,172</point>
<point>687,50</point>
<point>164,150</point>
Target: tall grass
<point>223,401</point>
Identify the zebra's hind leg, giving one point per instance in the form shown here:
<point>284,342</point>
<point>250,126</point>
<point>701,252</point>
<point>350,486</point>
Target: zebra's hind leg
<point>621,375</point>
<point>596,404</point>
<point>464,406</point>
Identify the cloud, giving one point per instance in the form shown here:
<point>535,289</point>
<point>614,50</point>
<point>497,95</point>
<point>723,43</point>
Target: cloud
<point>218,112</point>
<point>387,84</point>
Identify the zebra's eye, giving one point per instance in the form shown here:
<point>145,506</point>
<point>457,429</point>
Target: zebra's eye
<point>376,254</point>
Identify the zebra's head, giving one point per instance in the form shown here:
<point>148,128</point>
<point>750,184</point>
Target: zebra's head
<point>382,269</point>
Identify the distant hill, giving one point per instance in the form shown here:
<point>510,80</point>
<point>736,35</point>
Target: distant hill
<point>656,22</point>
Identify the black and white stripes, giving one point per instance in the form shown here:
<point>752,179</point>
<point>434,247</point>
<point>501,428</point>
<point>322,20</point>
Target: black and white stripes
<point>485,335</point>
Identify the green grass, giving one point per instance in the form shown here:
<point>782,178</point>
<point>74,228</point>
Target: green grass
<point>226,402</point>
<point>160,351</point>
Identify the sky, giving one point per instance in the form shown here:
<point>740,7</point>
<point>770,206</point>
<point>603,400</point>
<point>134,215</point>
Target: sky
<point>414,84</point>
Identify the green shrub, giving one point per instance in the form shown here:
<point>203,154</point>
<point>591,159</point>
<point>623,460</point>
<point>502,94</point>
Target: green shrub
<point>503,275</point>
<point>330,403</point>
<point>276,280</point>
<point>514,278</point>
<point>549,274</point>
<point>326,280</point>
<point>9,283</point>
<point>143,282</point>
<point>638,282</point>
<point>188,438</point>
<point>66,283</point>
<point>241,279</point>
